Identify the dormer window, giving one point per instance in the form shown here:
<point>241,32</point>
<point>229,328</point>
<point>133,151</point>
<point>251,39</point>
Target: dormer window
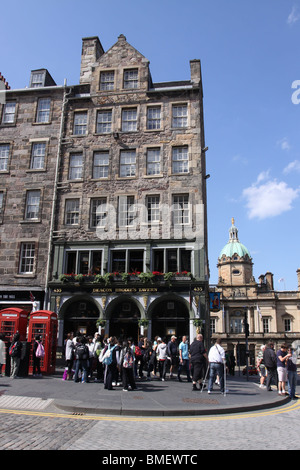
<point>130,79</point>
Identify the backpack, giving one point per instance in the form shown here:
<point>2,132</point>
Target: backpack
<point>128,360</point>
<point>12,350</point>
<point>137,351</point>
<point>40,351</point>
<point>15,349</point>
<point>81,352</point>
<point>107,357</point>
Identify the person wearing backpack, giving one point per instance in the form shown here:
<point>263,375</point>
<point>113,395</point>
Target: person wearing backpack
<point>15,351</point>
<point>127,362</point>
<point>82,356</point>
<point>37,354</point>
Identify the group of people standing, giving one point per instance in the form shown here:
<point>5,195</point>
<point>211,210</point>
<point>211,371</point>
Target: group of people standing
<point>117,362</point>
<point>15,354</point>
<point>279,367</point>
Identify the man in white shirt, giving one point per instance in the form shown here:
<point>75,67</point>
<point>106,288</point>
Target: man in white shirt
<point>216,359</point>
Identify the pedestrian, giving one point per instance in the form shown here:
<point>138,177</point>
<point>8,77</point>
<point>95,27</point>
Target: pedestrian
<point>141,357</point>
<point>184,362</point>
<point>2,353</point>
<point>262,371</point>
<point>36,369</point>
<point>69,355</point>
<point>82,356</point>
<point>216,359</point>
<point>91,359</point>
<point>110,363</point>
<point>117,379</point>
<point>99,366</point>
<point>232,363</point>
<point>15,352</point>
<point>270,360</point>
<point>162,359</point>
<point>292,373</point>
<point>198,360</point>
<point>282,358</point>
<point>173,354</point>
<point>127,361</point>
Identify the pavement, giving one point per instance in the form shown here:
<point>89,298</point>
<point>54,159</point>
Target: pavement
<point>51,393</point>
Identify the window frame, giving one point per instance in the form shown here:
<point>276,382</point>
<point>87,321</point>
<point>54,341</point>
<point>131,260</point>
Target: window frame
<point>4,156</point>
<point>72,213</point>
<point>180,120</point>
<point>128,169</point>
<point>80,128</point>
<point>106,85</point>
<point>74,167</point>
<point>131,79</point>
<point>156,164</point>
<point>93,223</point>
<point>40,112</point>
<point>155,120</point>
<point>183,212</point>
<point>129,119</point>
<point>107,125</point>
<point>180,160</point>
<point>32,215</point>
<point>27,259</point>
<point>5,113</point>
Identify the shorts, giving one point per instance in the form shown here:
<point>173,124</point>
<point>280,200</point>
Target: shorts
<point>262,371</point>
<point>282,374</point>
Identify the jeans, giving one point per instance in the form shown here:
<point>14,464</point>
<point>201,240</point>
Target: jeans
<point>292,382</point>
<point>81,365</point>
<point>216,369</point>
<point>185,364</point>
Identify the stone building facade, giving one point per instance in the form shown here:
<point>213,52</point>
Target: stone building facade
<point>108,196</point>
<point>270,314</point>
<point>29,141</point>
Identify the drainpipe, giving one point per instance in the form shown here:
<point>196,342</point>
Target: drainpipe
<point>59,147</point>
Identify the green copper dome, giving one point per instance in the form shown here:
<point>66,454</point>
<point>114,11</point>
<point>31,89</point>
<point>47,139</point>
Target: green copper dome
<point>234,246</point>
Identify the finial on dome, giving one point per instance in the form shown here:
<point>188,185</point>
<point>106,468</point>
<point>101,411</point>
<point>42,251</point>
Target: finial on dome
<point>232,220</point>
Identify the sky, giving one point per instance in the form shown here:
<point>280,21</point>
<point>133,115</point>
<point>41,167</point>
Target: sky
<point>249,52</point>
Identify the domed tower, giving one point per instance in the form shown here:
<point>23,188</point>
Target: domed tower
<point>235,263</point>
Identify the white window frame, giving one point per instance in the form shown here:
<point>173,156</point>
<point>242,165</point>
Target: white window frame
<point>80,123</point>
<point>76,166</point>
<point>9,112</point>
<point>180,160</point>
<point>104,121</point>
<point>131,79</point>
<point>32,206</point>
<point>180,115</point>
<point>27,258</point>
<point>4,156</point>
<point>153,164</point>
<point>181,209</point>
<point>128,163</point>
<point>43,110</point>
<point>98,212</point>
<point>38,152</point>
<point>129,120</point>
<point>126,211</point>
<point>154,117</point>
<point>107,80</point>
<point>100,165</point>
<point>72,211</point>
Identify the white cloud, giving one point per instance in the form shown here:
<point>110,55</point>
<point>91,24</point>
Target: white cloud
<point>284,144</point>
<point>269,199</point>
<point>293,166</point>
<point>294,16</point>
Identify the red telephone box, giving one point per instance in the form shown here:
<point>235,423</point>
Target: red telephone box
<point>44,323</point>
<point>12,320</point>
